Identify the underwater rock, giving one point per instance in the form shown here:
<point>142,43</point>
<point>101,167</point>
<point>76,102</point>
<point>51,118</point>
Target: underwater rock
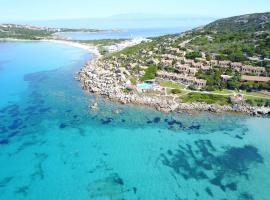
<point>111,187</point>
<point>94,107</point>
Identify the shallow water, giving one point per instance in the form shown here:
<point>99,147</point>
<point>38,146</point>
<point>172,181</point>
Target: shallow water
<point>124,34</point>
<point>53,147</point>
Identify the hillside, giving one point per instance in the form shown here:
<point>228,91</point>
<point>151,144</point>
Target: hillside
<point>238,39</point>
<point>228,54</point>
<point>250,22</point>
<point>25,31</point>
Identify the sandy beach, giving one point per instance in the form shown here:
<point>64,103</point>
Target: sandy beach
<point>92,49</point>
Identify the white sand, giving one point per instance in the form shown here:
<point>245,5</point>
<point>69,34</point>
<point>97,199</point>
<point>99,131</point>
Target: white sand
<point>122,45</point>
<point>92,49</point>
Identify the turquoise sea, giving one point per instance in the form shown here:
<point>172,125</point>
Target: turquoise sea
<point>53,147</point>
<point>124,34</point>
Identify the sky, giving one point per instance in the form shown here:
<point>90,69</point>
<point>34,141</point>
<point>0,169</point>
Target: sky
<point>19,10</point>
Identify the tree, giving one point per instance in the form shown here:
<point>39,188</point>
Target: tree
<point>194,54</point>
<point>233,84</point>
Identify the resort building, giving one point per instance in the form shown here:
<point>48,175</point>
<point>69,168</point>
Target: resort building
<point>202,60</point>
<point>166,63</point>
<point>175,51</point>
<point>248,69</point>
<point>200,83</point>
<point>197,65</point>
<point>183,69</point>
<point>236,65</point>
<point>224,63</point>
<point>225,78</point>
<point>192,71</point>
<point>213,62</point>
<point>206,68</point>
<point>189,62</point>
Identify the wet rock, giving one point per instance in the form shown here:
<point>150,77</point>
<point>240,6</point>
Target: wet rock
<point>94,106</point>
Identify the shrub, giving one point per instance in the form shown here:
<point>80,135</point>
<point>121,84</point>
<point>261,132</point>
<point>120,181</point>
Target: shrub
<point>150,73</point>
<point>193,55</point>
<point>176,91</point>
<point>206,98</point>
<point>192,87</point>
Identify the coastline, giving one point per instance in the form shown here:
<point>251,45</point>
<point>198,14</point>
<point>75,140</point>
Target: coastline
<point>90,48</point>
<point>16,40</point>
<point>101,78</point>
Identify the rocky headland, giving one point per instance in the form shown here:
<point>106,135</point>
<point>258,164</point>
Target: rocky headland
<point>101,77</point>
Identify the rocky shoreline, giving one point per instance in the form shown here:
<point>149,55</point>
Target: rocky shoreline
<point>102,78</point>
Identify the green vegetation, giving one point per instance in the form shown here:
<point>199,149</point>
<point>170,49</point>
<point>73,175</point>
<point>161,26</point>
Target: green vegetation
<point>258,102</point>
<point>251,85</point>
<point>256,94</point>
<point>170,84</point>
<point>214,81</point>
<point>176,91</point>
<point>134,50</point>
<point>192,87</point>
<point>206,98</point>
<point>150,73</point>
<point>24,33</point>
<point>126,90</point>
<point>33,33</point>
<point>103,42</point>
<point>149,46</point>
<point>235,38</point>
<point>133,81</point>
<point>194,54</point>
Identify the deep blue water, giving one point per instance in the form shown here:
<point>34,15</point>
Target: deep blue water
<point>53,147</point>
<point>124,34</point>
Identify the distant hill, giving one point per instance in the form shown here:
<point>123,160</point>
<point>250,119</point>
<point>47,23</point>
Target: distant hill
<point>30,32</point>
<point>237,38</point>
<point>249,22</point>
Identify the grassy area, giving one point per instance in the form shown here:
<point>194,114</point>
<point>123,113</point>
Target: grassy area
<point>225,91</point>
<point>176,91</point>
<point>257,94</point>
<point>245,93</point>
<point>170,84</point>
<point>207,98</point>
<point>150,73</point>
<point>133,81</point>
<point>257,101</point>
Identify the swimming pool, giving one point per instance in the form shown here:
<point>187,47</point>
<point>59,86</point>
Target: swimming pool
<point>145,86</point>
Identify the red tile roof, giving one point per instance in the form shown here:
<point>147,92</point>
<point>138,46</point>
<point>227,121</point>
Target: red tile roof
<point>255,78</point>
